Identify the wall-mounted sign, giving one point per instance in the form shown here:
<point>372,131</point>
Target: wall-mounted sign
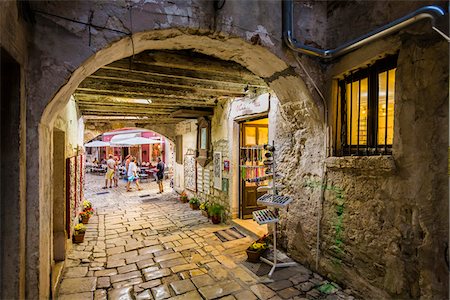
<point>246,106</point>
<point>226,165</point>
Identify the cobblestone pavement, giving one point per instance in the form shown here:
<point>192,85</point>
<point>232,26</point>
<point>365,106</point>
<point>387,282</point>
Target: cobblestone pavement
<point>154,247</point>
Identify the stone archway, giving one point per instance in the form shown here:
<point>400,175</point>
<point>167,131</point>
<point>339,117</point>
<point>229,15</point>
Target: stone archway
<point>295,101</point>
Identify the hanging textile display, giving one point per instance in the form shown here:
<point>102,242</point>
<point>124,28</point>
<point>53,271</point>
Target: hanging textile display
<point>252,166</point>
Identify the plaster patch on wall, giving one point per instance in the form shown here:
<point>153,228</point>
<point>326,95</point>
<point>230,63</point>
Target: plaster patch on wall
<point>263,35</point>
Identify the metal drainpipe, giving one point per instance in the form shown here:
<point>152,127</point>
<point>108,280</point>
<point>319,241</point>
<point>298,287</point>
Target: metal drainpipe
<point>427,12</point>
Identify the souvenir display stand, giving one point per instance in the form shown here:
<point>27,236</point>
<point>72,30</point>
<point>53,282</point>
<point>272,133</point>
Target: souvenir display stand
<point>274,202</point>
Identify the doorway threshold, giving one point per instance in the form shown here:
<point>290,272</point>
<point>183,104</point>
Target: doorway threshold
<point>250,227</point>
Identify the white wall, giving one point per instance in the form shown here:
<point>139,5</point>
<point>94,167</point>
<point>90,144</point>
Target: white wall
<point>71,122</point>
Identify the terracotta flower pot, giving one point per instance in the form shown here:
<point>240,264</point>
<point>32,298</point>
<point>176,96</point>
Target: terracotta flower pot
<point>78,238</point>
<point>85,220</point>
<point>254,255</point>
<point>194,206</point>
<point>215,219</point>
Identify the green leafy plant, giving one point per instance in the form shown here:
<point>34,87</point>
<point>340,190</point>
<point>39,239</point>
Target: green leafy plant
<point>85,214</point>
<point>194,201</point>
<point>183,197</point>
<point>216,209</point>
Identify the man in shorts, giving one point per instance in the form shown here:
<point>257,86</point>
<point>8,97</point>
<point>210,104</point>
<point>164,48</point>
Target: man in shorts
<point>160,175</point>
<point>110,164</point>
<point>132,175</point>
<point>116,172</point>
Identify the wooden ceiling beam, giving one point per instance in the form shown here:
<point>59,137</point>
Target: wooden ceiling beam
<point>135,109</point>
<point>168,84</point>
<point>164,80</point>
<point>152,105</point>
<point>224,75</point>
<point>91,84</point>
<point>141,122</point>
<point>111,95</point>
<point>190,60</point>
<point>123,113</point>
<point>175,74</point>
<point>123,110</point>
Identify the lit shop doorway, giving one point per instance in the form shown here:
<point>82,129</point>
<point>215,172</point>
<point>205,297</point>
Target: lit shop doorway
<point>253,135</point>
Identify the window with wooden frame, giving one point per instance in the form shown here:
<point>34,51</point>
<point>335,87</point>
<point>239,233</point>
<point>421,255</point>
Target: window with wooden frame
<point>204,155</point>
<point>365,102</point>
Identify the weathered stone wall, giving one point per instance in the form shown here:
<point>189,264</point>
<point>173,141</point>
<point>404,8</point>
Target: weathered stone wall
<point>384,220</point>
<point>62,54</point>
<point>212,194</point>
<point>14,259</point>
<point>395,211</point>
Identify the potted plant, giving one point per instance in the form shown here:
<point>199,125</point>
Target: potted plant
<point>84,216</point>
<point>194,203</point>
<point>256,249</point>
<point>204,206</point>
<point>215,211</point>
<point>183,197</point>
<point>78,236</point>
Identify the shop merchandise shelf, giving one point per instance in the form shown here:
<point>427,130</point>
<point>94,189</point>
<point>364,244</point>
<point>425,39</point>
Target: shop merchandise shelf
<point>264,216</point>
<point>274,200</point>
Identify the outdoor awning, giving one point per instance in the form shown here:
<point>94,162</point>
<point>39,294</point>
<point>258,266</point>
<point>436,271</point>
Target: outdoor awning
<point>97,144</point>
<point>135,141</point>
<point>117,139</point>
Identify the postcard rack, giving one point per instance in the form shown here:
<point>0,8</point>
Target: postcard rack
<point>274,202</point>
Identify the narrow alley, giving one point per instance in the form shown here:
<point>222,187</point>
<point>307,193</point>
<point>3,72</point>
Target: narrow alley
<point>141,245</point>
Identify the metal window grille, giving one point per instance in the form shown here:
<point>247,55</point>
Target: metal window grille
<point>365,99</point>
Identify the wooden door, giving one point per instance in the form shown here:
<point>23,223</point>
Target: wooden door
<point>253,137</point>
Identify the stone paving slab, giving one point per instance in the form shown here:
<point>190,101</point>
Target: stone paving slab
<point>78,285</point>
<point>161,249</point>
<point>161,292</point>
<point>76,272</point>
<point>77,296</point>
<point>182,286</point>
<point>219,290</point>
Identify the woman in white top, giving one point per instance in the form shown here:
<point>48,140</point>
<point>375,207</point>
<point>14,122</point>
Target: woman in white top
<point>133,175</point>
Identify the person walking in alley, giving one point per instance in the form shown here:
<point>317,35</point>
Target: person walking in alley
<point>116,171</point>
<point>110,164</point>
<point>132,175</point>
<point>160,175</point>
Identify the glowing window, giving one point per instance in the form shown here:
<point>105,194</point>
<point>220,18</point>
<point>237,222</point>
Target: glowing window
<point>364,123</point>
